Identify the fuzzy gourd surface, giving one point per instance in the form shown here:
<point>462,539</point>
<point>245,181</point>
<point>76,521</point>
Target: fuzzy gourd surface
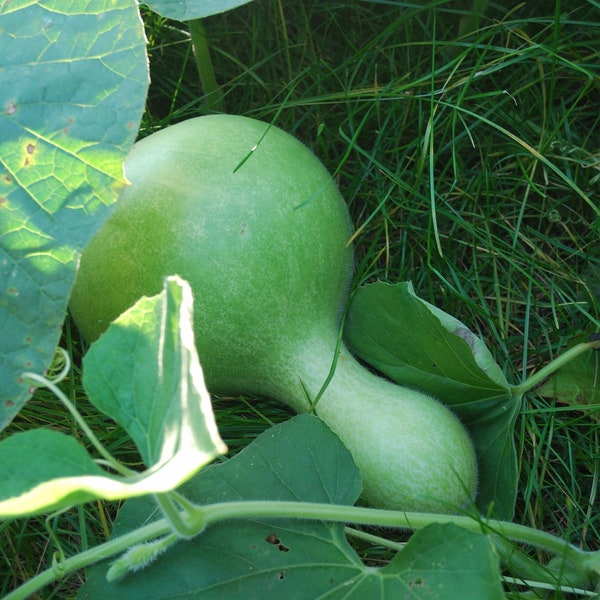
<point>252,219</point>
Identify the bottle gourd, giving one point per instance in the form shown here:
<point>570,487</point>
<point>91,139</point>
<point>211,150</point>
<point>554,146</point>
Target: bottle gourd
<point>253,220</point>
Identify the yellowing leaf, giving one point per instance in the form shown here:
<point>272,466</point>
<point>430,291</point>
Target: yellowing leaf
<point>577,384</point>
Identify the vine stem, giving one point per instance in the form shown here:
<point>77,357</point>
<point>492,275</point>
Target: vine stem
<point>211,514</point>
<point>387,518</point>
<point>51,385</point>
<point>178,519</point>
<point>552,367</point>
<point>89,557</point>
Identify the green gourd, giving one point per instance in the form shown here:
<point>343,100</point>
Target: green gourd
<point>252,219</point>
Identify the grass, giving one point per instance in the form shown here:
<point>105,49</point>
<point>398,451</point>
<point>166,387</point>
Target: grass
<point>467,149</point>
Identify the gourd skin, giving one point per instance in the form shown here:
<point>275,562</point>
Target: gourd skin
<point>262,239</point>
<point>228,234</point>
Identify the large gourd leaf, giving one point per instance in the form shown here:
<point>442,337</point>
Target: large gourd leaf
<point>73,83</point>
<point>420,346</point>
<point>446,562</point>
<point>161,401</point>
<point>301,460</point>
<point>185,10</point>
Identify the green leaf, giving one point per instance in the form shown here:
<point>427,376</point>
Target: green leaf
<point>298,460</point>
<point>45,470</point>
<point>447,562</point>
<point>577,384</point>
<point>144,372</point>
<point>420,346</point>
<point>73,85</point>
<point>302,460</point>
<point>185,10</point>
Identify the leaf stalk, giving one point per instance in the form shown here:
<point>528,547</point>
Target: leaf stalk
<point>110,460</point>
<point>549,369</point>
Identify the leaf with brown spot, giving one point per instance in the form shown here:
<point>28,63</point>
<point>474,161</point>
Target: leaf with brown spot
<point>72,83</point>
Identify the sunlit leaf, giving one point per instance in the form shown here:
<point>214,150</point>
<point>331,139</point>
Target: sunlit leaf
<point>45,470</point>
<point>144,372</point>
<point>73,84</point>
